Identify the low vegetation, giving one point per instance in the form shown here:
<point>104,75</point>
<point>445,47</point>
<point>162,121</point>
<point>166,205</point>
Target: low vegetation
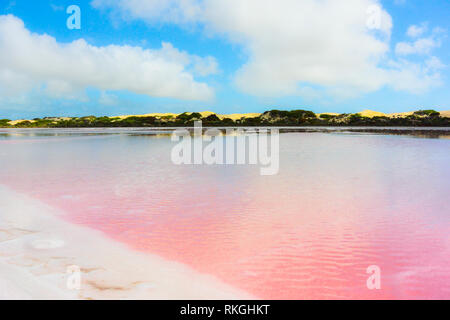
<point>4,123</point>
<point>269,118</point>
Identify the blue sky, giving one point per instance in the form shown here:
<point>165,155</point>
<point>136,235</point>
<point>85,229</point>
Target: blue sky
<point>223,56</point>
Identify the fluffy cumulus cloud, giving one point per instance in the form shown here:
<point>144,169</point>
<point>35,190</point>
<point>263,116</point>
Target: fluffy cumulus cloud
<point>293,45</point>
<point>33,62</point>
<point>429,70</point>
<point>178,11</point>
<point>415,31</point>
<point>421,46</point>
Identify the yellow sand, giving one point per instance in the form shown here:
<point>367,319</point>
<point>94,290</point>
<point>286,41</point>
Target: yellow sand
<point>237,116</point>
<point>13,123</point>
<point>327,113</point>
<point>445,114</point>
<point>371,114</point>
<point>157,115</point>
<point>234,116</point>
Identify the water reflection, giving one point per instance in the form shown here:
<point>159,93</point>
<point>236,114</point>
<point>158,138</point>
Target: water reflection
<point>341,202</point>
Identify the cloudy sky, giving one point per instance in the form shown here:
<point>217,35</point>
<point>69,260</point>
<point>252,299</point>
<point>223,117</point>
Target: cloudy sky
<point>227,56</point>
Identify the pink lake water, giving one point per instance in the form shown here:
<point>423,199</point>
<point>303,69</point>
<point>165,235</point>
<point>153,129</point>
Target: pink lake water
<point>341,202</point>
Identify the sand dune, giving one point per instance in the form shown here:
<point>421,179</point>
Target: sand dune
<point>234,116</point>
<point>238,116</point>
<point>445,114</point>
<point>371,114</point>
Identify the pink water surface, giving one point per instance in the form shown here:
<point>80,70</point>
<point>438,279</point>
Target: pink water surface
<point>340,203</point>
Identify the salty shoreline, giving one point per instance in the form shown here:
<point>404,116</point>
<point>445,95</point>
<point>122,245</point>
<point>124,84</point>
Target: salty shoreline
<point>37,247</point>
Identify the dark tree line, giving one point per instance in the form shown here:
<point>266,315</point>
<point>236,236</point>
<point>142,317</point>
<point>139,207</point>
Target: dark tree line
<point>420,118</point>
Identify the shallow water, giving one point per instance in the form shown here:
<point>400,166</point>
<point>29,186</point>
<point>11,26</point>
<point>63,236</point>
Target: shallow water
<point>341,202</point>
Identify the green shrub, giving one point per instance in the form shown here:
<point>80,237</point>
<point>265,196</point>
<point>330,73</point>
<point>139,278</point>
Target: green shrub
<point>212,118</point>
<point>4,122</point>
<point>327,116</point>
<point>428,113</point>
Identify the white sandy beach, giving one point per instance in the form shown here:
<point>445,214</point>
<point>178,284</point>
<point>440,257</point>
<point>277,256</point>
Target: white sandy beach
<point>37,247</point>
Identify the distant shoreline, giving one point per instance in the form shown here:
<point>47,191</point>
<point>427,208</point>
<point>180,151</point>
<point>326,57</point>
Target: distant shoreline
<point>272,118</point>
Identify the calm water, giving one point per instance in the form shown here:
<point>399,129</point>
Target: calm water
<point>340,203</point>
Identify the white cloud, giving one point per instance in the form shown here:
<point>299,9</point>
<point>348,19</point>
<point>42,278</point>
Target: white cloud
<point>57,7</point>
<point>205,66</point>
<point>179,11</point>
<point>415,31</point>
<point>405,75</point>
<point>30,61</point>
<point>294,44</point>
<point>420,46</point>
<point>107,99</point>
<point>10,5</point>
<point>428,71</point>
<point>434,63</point>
